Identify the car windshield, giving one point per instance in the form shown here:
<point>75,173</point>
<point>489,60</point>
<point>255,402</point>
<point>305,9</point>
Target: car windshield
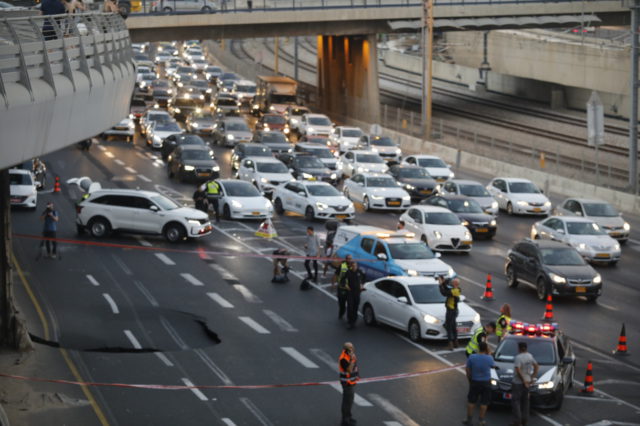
<point>148,77</point>
<point>20,179</point>
<point>426,293</point>
<point>238,126</point>
<point>600,209</point>
<point>410,251</point>
<point>241,189</point>
<point>561,256</point>
<point>274,119</point>
<point>583,228</point>
<point>382,142</point>
<point>283,99</point>
<point>369,158</point>
<point>323,191</point>
<point>309,163</point>
<point>381,182</point>
<point>474,191</point>
<point>257,151</point>
<point>213,70</point>
<point>202,116</point>
<point>541,349</point>
<point>195,154</point>
<point>161,83</point>
<point>199,61</point>
<point>299,111</point>
<point>431,162</point>
<point>465,206</point>
<point>320,153</point>
<point>226,102</point>
<point>413,173</point>
<point>319,121</point>
<point>167,127</point>
<point>273,137</point>
<point>185,102</point>
<point>441,218</point>
<point>246,89</point>
<point>184,70</point>
<point>164,203</point>
<point>199,84</point>
<point>272,168</point>
<point>228,76</point>
<point>159,117</point>
<point>228,84</point>
<point>523,188</point>
<point>138,103</point>
<point>351,133</point>
<point>190,140</point>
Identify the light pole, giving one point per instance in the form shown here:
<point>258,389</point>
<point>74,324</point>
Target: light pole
<point>427,66</point>
<point>633,114</point>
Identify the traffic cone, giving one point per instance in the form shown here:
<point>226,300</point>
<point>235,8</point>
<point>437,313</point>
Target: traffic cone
<point>488,291</point>
<point>56,185</point>
<point>622,343</point>
<point>548,311</point>
<point>588,380</point>
<point>266,230</point>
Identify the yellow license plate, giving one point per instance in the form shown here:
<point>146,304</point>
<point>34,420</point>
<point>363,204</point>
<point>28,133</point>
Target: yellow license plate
<point>581,289</point>
<point>394,203</point>
<point>255,213</point>
<point>440,180</point>
<point>312,178</point>
<point>466,243</point>
<point>537,209</point>
<point>615,234</point>
<point>425,191</point>
<point>482,230</point>
<point>603,255</point>
<point>341,216</point>
<point>203,174</point>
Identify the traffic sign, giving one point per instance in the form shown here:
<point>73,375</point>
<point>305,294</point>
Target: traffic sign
<point>375,130</point>
<point>595,120</point>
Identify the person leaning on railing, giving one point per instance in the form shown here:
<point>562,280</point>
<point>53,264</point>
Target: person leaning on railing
<point>48,8</point>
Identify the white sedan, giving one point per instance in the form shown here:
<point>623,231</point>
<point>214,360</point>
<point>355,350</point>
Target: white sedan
<point>438,227</point>
<point>264,172</point>
<point>353,162</point>
<point>125,127</point>
<point>601,212</point>
<point>583,234</point>
<point>414,304</point>
<point>316,200</point>
<point>241,200</point>
<point>438,169</point>
<point>159,130</point>
<point>376,191</point>
<point>519,196</point>
<point>315,125</point>
<point>345,138</point>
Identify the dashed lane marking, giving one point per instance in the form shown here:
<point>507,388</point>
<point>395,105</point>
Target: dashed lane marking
<point>325,358</point>
<point>589,398</point>
<point>118,162</point>
<point>101,148</point>
<point>303,360</point>
<point>164,359</point>
<point>220,300</point>
<point>144,242</point>
<point>247,294</point>
<point>146,293</point>
<point>165,259</point>
<point>447,351</point>
<point>108,154</point>
<point>112,303</point>
<point>174,334</point>
<point>131,170</point>
<point>227,421</point>
<point>254,325</point>
<point>358,400</point>
<point>141,155</point>
<point>92,280</point>
<point>144,178</point>
<point>132,339</point>
<point>224,273</point>
<point>191,279</point>
<point>122,265</point>
<point>256,412</point>
<point>392,423</point>
<point>213,367</point>
<point>280,322</point>
<point>392,410</point>
<point>196,392</point>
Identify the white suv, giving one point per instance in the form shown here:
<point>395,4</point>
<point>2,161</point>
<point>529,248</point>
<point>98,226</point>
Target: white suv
<point>144,212</point>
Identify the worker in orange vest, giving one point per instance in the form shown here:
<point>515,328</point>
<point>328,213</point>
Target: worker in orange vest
<point>349,376</point>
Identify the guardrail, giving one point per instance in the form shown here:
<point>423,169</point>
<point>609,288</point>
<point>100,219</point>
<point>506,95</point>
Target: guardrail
<point>42,47</point>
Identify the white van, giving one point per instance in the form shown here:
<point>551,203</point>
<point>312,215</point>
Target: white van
<point>168,6</point>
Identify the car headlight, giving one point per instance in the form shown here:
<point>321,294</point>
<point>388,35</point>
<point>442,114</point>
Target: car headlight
<point>286,130</point>
<point>230,137</point>
<point>522,203</point>
<point>255,106</point>
<point>157,139</point>
<point>272,108</point>
<point>626,226</point>
<point>467,235</point>
<point>451,272</point>
<point>268,205</point>
<point>597,279</point>
<point>412,272</point>
<point>547,204</point>
<point>616,247</point>
<point>266,127</point>
<point>494,382</point>
<point>494,205</point>
<point>333,176</point>
<point>193,221</point>
<point>406,198</point>
<point>156,106</point>
<point>582,246</point>
<point>219,110</point>
<point>377,197</point>
<point>451,175</point>
<point>430,319</point>
<point>398,151</point>
<point>546,385</point>
<point>322,206</point>
<point>476,318</point>
<point>493,223</point>
<point>194,124</point>
<point>409,187</point>
<point>180,84</point>
<point>359,169</point>
<point>557,278</point>
<point>307,176</point>
<point>132,125</point>
<point>264,180</point>
<point>209,90</point>
<point>201,96</point>
<point>437,234</point>
<point>294,121</point>
<point>236,204</point>
<point>176,110</point>
<point>374,149</point>
<point>188,168</point>
<point>216,168</point>
<point>465,223</point>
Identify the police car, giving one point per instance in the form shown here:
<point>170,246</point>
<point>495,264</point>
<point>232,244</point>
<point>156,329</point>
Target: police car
<point>552,351</point>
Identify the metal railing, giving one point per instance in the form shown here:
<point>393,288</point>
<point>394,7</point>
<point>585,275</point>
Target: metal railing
<point>42,47</point>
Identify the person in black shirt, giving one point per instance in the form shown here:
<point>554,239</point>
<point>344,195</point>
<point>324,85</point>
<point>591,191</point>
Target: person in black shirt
<point>352,281</point>
<point>200,198</point>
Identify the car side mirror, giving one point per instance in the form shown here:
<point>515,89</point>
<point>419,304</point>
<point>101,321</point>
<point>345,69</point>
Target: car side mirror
<point>154,208</point>
<point>403,299</point>
<point>302,194</point>
<point>578,213</point>
<point>567,360</point>
<point>381,256</point>
<point>560,231</point>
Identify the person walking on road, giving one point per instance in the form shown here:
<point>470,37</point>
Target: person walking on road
<point>349,376</point>
<point>352,280</point>
<point>280,267</point>
<point>480,335</point>
<point>524,375</point>
<point>213,195</point>
<point>343,289</point>
<point>312,249</point>
<point>503,324</point>
<point>479,375</point>
<point>200,198</point>
<point>452,293</point>
<point>50,218</point>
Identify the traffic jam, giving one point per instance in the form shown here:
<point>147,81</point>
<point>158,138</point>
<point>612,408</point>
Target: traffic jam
<point>450,263</point>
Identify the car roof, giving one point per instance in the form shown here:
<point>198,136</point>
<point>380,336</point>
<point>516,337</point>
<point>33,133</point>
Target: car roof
<point>466,182</point>
<point>349,128</point>
<point>453,196</point>
<point>312,145</point>
<point>245,83</point>
<point>424,156</point>
<point>409,281</point>
<point>362,151</point>
<point>310,114</point>
<point>546,243</point>
<point>252,145</point>
<point>227,119</point>
<point>122,191</point>
<point>431,209</point>
<point>588,200</point>
<point>407,166</point>
<point>370,175</point>
<point>314,182</point>
<point>238,181</point>
<point>262,159</point>
<point>572,219</point>
<point>513,179</point>
<point>193,147</point>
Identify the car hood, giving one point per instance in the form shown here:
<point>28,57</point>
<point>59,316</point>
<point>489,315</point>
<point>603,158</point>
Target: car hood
<point>438,310</point>
<point>616,221</point>
<point>240,134</point>
<point>505,371</point>
<point>419,182</point>
<point>438,171</point>
<point>314,171</point>
<point>338,200</point>
<point>385,149</point>
<point>280,177</point>
<point>449,231</point>
<point>255,203</point>
<point>475,217</point>
<point>605,242</point>
<point>530,198</point>
<point>329,161</point>
<point>349,140</point>
<point>201,163</point>
<point>279,108</point>
<point>585,272</point>
<point>424,265</point>
<point>387,192</point>
<point>204,122</point>
<point>485,202</point>
<point>189,213</point>
<point>163,134</point>
<point>278,146</point>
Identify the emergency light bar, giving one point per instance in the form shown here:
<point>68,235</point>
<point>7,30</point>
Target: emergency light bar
<point>523,328</point>
<point>395,235</point>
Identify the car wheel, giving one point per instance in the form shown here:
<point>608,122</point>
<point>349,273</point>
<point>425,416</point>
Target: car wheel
<point>346,192</point>
<point>278,206</point>
<point>541,289</point>
<point>509,209</point>
<point>512,279</point>
<point>309,214</point>
<point>365,203</point>
<point>368,315</point>
<point>174,232</point>
<point>99,227</point>
<point>167,10</point>
<point>206,9</point>
<point>414,331</point>
<point>226,212</point>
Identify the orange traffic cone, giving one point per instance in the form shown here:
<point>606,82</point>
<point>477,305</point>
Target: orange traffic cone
<point>548,311</point>
<point>622,343</point>
<point>488,291</point>
<point>56,185</point>
<point>588,380</point>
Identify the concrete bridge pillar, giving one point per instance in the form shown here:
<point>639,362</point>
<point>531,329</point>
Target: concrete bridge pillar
<point>348,77</point>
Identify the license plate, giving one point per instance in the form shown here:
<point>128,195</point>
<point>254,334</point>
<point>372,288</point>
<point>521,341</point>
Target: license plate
<point>506,395</point>
<point>482,230</point>
<point>463,330</point>
<point>581,289</point>
<point>615,234</point>
<point>312,178</point>
<point>425,191</point>
<point>15,200</point>
<point>537,209</point>
<point>255,213</point>
<point>203,174</point>
<point>341,216</point>
<point>603,255</point>
<point>394,203</point>
<point>440,180</point>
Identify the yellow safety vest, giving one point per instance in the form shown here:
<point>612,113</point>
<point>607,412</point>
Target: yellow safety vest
<point>499,330</point>
<point>472,346</point>
<point>213,188</point>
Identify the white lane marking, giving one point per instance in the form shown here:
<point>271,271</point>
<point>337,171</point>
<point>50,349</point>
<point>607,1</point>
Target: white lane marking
<point>164,359</point>
<point>155,164</point>
<point>151,156</point>
<point>618,400</point>
<point>220,300</point>
<point>256,412</point>
<point>392,410</point>
<point>280,322</point>
<point>256,327</point>
<point>146,293</point>
<point>246,293</point>
<point>93,280</point>
<point>165,259</point>
<point>108,154</point>
<point>612,359</point>
<point>132,339</point>
<point>101,148</point>
<point>358,400</point>
<point>293,353</point>
<point>226,275</point>
<point>634,241</point>
<point>131,170</point>
<point>616,382</point>
<point>589,398</point>
<point>604,305</point>
<point>325,358</point>
<point>190,278</point>
<point>196,392</point>
<point>118,162</point>
<point>141,155</point>
<point>213,367</point>
<point>122,265</point>
<point>111,302</point>
<point>174,334</point>
<point>143,242</point>
<point>144,178</point>
<point>227,421</point>
<point>447,351</point>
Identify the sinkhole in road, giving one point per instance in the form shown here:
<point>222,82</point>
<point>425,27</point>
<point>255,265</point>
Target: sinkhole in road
<point>150,330</point>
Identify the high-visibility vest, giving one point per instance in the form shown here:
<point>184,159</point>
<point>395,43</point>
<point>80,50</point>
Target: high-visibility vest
<point>499,330</point>
<point>213,188</point>
<point>344,267</point>
<point>472,346</point>
<point>345,377</point>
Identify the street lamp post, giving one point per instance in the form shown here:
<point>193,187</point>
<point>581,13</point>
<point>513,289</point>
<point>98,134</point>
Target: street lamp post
<point>427,66</point>
<point>633,114</point>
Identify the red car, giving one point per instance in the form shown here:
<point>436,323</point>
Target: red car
<point>276,122</point>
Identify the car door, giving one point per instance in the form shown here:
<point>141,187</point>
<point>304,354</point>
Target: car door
<point>411,160</point>
<point>121,208</point>
<point>147,217</point>
<point>545,229</point>
<point>290,192</point>
<point>359,188</point>
<point>530,264</point>
<point>365,253</point>
<point>380,266</point>
<point>399,312</point>
<point>565,370</point>
<point>247,170</point>
<point>383,295</point>
<point>347,164</point>
<point>414,222</point>
<point>298,200</point>
<point>449,188</point>
<point>499,191</point>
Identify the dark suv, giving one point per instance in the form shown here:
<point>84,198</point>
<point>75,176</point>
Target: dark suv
<point>553,268</point>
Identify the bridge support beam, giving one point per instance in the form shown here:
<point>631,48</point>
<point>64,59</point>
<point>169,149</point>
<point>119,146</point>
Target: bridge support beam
<point>348,77</point>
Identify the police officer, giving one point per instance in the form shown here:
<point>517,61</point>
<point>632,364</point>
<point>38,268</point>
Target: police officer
<point>480,335</point>
<point>343,288</point>
<point>213,195</point>
<point>349,376</point>
<point>452,294</point>
<point>503,324</point>
<point>352,280</point>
